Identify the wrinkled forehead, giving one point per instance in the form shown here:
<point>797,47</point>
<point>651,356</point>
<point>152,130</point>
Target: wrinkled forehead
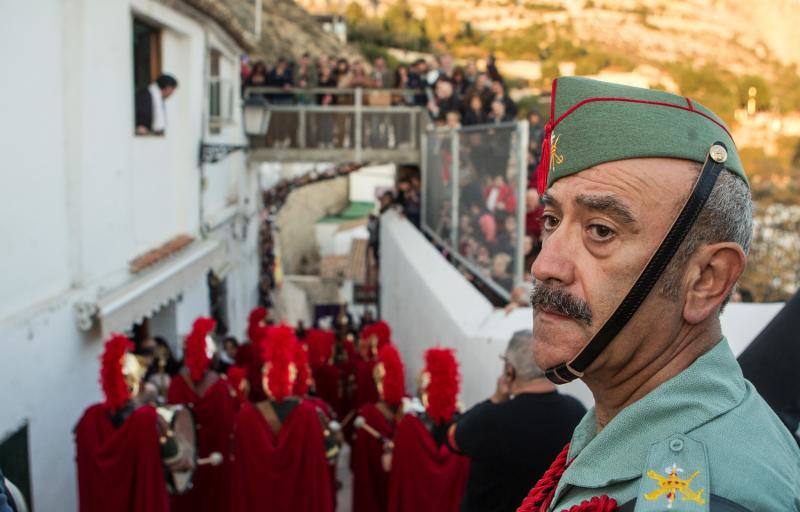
<point>638,187</point>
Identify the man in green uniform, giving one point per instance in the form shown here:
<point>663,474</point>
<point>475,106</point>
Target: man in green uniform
<point>646,227</point>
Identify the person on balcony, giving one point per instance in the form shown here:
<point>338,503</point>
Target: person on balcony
<point>151,111</point>
<point>444,100</point>
<point>5,498</point>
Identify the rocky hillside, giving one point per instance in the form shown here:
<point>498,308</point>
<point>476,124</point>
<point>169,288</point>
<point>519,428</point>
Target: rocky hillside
<point>737,35</point>
<point>288,30</point>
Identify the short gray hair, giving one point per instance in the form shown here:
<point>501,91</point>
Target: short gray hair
<point>726,217</point>
<point>519,354</point>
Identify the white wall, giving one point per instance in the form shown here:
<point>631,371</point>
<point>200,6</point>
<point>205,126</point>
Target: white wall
<point>427,302</point>
<point>33,119</point>
<point>365,182</point>
<point>84,196</point>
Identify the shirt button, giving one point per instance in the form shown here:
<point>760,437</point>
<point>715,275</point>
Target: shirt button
<point>676,445</point>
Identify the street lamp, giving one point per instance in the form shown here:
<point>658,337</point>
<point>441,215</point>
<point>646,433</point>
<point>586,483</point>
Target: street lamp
<point>256,115</point>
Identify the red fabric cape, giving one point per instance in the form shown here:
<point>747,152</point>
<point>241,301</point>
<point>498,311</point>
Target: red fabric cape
<point>327,380</point>
<point>119,469</point>
<point>283,473</point>
<point>328,411</point>
<point>214,414</point>
<point>424,477</point>
<point>370,481</point>
<point>366,389</point>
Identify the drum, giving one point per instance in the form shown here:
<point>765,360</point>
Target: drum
<point>178,446</point>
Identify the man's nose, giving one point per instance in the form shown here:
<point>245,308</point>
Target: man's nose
<point>554,263</point>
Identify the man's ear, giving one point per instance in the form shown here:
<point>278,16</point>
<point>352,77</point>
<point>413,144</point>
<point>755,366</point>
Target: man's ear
<point>511,373</point>
<point>712,273</point>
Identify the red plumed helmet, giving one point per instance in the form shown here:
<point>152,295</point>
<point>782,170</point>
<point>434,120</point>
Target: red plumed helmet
<point>254,328</point>
<point>280,368</point>
<point>443,387</point>
<point>195,356</point>
<point>383,332</point>
<point>393,387</point>
<point>303,380</point>
<point>112,380</point>
<point>320,346</point>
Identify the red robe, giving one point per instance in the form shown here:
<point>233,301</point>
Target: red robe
<point>366,390</point>
<point>329,386</point>
<point>280,473</point>
<point>120,469</point>
<point>370,481</point>
<point>214,414</point>
<point>328,411</point>
<point>424,477</point>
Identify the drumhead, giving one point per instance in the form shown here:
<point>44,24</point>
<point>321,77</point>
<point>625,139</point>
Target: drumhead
<point>181,422</point>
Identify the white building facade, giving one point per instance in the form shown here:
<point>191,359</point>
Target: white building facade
<point>86,202</point>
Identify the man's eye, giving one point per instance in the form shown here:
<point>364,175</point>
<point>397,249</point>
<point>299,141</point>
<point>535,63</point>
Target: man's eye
<point>600,232</point>
<point>549,222</point>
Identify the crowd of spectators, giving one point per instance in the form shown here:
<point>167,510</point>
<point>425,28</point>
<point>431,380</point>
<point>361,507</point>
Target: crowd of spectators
<point>451,94</point>
<point>454,96</point>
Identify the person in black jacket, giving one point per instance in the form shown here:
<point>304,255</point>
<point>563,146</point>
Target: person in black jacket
<point>512,437</point>
<point>149,105</point>
<point>6,501</point>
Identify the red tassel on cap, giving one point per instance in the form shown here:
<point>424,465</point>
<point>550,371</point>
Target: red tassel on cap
<point>544,160</point>
<point>543,169</point>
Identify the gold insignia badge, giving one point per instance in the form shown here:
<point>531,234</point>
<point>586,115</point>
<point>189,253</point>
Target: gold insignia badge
<point>672,486</point>
<point>555,157</point>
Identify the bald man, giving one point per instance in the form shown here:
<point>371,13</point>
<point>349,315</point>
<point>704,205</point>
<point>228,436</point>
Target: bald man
<point>512,437</point>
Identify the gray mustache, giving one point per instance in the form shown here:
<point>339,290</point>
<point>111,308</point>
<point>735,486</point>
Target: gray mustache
<point>561,302</point>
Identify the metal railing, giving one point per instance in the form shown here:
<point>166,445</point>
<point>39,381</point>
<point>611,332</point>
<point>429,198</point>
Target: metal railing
<point>333,124</point>
<point>473,198</point>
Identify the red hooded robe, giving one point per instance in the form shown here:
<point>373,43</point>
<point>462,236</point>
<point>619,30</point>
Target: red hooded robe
<point>119,469</point>
<point>286,472</point>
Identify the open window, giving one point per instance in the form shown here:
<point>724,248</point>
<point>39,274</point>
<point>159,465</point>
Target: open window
<point>146,68</point>
<point>146,53</point>
<point>220,92</point>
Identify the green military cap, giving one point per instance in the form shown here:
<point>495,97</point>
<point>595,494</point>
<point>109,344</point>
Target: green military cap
<point>592,122</point>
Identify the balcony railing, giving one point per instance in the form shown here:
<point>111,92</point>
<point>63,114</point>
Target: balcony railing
<point>338,125</point>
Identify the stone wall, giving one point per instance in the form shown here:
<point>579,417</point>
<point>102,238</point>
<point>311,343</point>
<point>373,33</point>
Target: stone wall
<point>303,208</point>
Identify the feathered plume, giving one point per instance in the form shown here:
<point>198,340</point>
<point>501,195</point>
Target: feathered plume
<point>383,332</point>
<point>393,378</point>
<point>254,328</point>
<point>112,381</point>
<point>237,376</point>
<point>320,346</point>
<point>195,357</point>
<point>301,384</point>
<point>279,356</point>
<point>442,391</point>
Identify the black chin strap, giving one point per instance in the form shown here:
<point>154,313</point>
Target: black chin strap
<point>571,370</point>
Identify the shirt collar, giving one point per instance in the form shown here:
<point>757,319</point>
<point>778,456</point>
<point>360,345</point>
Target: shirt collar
<point>710,387</point>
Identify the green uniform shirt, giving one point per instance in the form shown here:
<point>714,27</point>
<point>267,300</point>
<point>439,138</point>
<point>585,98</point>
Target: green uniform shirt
<point>705,431</point>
